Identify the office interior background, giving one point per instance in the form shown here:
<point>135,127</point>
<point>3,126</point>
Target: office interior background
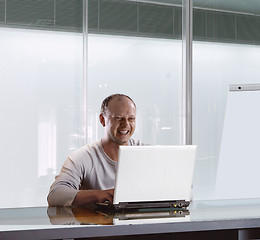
<point>60,58</point>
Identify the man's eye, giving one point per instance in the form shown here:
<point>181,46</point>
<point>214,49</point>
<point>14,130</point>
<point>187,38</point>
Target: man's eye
<point>118,118</point>
<point>131,119</point>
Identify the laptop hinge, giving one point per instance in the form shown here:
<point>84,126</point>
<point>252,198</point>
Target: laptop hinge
<point>152,204</point>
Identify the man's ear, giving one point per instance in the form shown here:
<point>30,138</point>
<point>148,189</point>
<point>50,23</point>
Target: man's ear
<point>102,119</point>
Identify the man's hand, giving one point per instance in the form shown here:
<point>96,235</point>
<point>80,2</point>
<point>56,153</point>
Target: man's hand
<point>105,195</point>
<point>85,197</point>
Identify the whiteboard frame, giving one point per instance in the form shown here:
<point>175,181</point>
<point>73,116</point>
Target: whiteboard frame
<point>244,87</point>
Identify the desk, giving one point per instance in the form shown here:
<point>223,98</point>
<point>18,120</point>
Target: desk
<point>237,219</point>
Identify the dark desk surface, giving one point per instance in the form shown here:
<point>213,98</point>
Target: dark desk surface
<point>85,222</point>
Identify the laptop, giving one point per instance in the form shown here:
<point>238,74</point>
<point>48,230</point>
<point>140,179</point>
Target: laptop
<point>154,177</point>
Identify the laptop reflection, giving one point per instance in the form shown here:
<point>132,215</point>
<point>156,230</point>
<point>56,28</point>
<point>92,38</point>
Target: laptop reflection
<point>92,216</point>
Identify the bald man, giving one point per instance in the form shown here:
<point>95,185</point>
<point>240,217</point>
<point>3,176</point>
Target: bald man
<point>88,175</point>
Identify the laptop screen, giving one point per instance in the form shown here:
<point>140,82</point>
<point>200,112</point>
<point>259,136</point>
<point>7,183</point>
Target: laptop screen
<point>154,173</point>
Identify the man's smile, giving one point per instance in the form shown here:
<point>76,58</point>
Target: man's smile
<point>124,132</point>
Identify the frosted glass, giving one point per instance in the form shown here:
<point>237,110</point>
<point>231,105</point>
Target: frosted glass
<point>41,73</point>
<point>215,66</point>
<point>148,70</point>
<point>40,100</point>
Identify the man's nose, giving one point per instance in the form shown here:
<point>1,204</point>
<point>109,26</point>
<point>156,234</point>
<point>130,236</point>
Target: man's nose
<point>124,122</point>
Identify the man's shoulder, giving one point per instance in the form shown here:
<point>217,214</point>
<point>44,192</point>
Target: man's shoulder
<point>86,150</point>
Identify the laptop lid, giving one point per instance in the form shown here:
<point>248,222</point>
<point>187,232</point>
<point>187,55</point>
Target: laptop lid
<point>154,174</point>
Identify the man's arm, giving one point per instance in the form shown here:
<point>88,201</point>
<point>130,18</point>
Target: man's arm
<point>85,197</point>
<point>66,186</point>
<point>65,190</point>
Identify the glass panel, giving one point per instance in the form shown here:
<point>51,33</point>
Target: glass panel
<point>41,74</point>
<point>41,82</point>
<point>225,51</point>
<point>142,60</point>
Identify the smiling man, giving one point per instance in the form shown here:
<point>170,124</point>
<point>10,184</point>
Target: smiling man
<point>88,175</point>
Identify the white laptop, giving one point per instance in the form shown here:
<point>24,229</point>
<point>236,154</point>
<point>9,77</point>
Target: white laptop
<point>154,177</point>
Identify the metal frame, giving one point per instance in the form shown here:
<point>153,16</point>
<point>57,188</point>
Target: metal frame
<point>186,102</point>
<point>244,87</point>
<point>84,111</point>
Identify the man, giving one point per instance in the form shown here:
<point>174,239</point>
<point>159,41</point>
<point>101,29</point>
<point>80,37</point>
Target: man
<point>88,175</point>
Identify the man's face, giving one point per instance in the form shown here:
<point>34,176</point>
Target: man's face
<point>119,120</point>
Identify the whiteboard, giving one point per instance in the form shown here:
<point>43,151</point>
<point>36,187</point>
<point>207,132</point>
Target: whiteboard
<point>238,172</point>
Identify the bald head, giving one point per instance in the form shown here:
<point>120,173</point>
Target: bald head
<point>116,97</point>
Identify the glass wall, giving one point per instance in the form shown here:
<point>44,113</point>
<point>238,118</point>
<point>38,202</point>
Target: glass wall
<point>135,48</point>
<point>225,51</point>
<point>40,91</point>
<point>148,70</point>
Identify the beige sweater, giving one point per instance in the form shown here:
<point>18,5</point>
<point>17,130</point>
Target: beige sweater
<point>86,168</point>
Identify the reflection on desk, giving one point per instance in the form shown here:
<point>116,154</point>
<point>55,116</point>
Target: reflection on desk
<point>149,216</point>
<point>201,211</point>
<point>227,219</point>
<point>91,216</point>
<point>77,216</point>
